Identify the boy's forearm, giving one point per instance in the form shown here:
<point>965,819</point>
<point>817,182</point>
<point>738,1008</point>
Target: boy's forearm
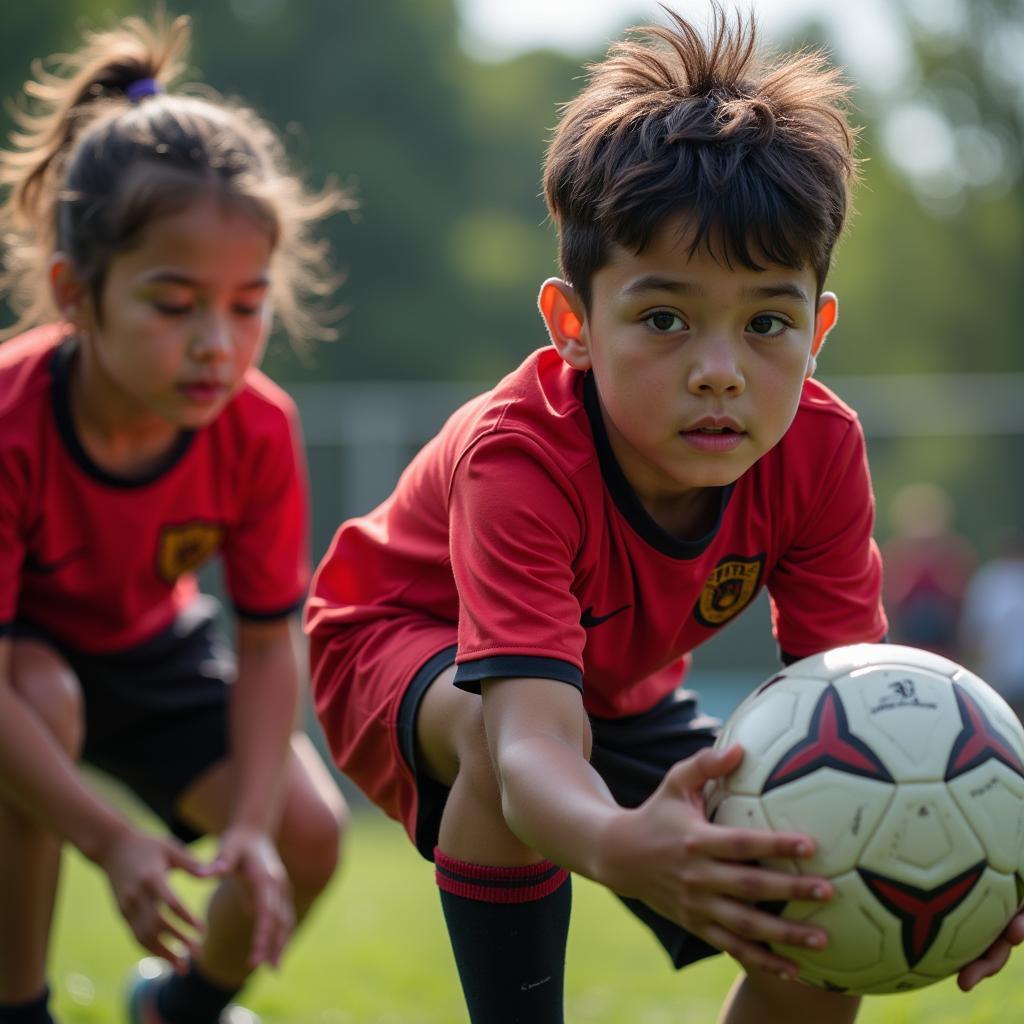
<point>556,803</point>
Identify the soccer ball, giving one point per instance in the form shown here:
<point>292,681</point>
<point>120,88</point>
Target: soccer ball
<point>908,771</point>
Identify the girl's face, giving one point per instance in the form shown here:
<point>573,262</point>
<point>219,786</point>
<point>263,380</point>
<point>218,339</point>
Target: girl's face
<point>182,316</point>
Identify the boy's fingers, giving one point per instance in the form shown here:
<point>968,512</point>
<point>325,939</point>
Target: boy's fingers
<point>749,923</point>
<point>755,884</point>
<point>741,844</point>
<point>704,766</point>
<point>752,955</point>
<point>990,963</point>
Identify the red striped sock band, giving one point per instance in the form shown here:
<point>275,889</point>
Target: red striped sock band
<point>497,885</point>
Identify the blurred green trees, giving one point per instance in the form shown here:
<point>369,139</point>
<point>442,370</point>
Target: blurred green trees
<point>443,259</point>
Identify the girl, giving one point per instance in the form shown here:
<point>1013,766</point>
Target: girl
<point>148,237</point>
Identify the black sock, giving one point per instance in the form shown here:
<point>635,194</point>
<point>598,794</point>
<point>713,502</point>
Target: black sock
<point>191,999</point>
<point>508,929</point>
<point>33,1012</point>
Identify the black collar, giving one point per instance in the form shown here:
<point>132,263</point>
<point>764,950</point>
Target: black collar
<point>625,497</point>
<point>60,371</point>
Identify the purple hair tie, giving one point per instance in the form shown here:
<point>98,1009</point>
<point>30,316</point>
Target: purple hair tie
<point>143,87</point>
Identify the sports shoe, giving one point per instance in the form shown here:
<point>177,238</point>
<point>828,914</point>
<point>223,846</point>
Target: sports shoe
<point>145,980</point>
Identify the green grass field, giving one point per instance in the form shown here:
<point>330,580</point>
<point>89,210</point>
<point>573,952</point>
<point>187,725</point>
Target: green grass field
<point>375,952</point>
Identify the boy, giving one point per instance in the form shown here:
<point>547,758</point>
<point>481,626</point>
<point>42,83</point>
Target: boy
<point>569,537</point>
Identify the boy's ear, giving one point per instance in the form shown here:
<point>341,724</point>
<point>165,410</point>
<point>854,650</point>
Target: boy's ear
<point>824,321</point>
<point>565,319</point>
<point>69,294</point>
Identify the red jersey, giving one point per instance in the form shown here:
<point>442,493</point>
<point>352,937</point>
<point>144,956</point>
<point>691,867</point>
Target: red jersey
<point>102,563</point>
<point>516,525</point>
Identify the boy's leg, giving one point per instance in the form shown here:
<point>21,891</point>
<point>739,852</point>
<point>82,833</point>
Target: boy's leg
<point>30,855</point>
<point>506,908</point>
<point>765,999</point>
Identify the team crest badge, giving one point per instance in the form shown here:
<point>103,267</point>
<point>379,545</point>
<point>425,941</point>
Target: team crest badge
<point>181,549</point>
<point>729,589</point>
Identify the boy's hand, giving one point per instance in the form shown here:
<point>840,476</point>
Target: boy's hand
<point>250,855</point>
<point>994,958</point>
<point>137,866</point>
<point>669,855</point>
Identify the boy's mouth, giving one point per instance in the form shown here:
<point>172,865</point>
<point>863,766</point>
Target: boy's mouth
<point>713,437</point>
<point>714,425</point>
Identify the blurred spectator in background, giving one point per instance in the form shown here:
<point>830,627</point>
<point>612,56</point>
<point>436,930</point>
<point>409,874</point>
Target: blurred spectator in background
<point>992,622</point>
<point>927,567</point>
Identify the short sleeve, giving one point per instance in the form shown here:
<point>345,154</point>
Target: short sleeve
<point>12,542</point>
<point>515,531</point>
<point>826,587</point>
<point>266,553</point>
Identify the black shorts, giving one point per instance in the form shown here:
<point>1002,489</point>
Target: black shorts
<point>631,754</point>
<point>156,715</point>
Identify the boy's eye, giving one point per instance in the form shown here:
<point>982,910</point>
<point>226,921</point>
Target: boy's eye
<point>246,309</point>
<point>665,322</point>
<point>768,326</point>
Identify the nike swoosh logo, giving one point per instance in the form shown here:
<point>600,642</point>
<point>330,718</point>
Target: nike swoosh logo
<point>32,564</point>
<point>589,619</point>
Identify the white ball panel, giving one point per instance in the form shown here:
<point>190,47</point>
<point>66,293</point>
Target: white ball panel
<point>767,727</point>
<point>923,838</point>
<point>840,811</point>
<point>841,661</point>
<point>991,798</point>
<point>907,716</point>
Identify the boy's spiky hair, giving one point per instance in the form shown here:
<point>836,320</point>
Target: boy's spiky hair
<point>757,154</point>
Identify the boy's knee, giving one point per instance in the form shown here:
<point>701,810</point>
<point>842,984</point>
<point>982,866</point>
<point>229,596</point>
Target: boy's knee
<point>46,683</point>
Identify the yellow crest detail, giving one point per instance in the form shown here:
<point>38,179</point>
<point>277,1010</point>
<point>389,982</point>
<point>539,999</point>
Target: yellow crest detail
<point>181,549</point>
<point>729,589</point>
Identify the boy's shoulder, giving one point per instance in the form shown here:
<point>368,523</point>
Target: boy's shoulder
<point>531,425</point>
<point>825,437</point>
<point>538,405</point>
<point>819,400</point>
<point>822,419</point>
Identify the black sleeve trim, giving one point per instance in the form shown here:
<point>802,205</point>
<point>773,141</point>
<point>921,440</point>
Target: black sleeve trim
<point>470,674</point>
<point>268,616</point>
<point>7,628</point>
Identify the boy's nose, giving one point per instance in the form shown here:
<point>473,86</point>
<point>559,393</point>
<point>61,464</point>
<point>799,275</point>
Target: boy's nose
<point>715,368</point>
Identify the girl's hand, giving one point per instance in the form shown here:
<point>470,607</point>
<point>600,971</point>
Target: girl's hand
<point>249,854</point>
<point>700,875</point>
<point>137,866</point>
<point>994,958</point>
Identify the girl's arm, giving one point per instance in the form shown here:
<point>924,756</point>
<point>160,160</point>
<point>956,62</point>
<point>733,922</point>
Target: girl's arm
<point>262,718</point>
<point>41,781</point>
